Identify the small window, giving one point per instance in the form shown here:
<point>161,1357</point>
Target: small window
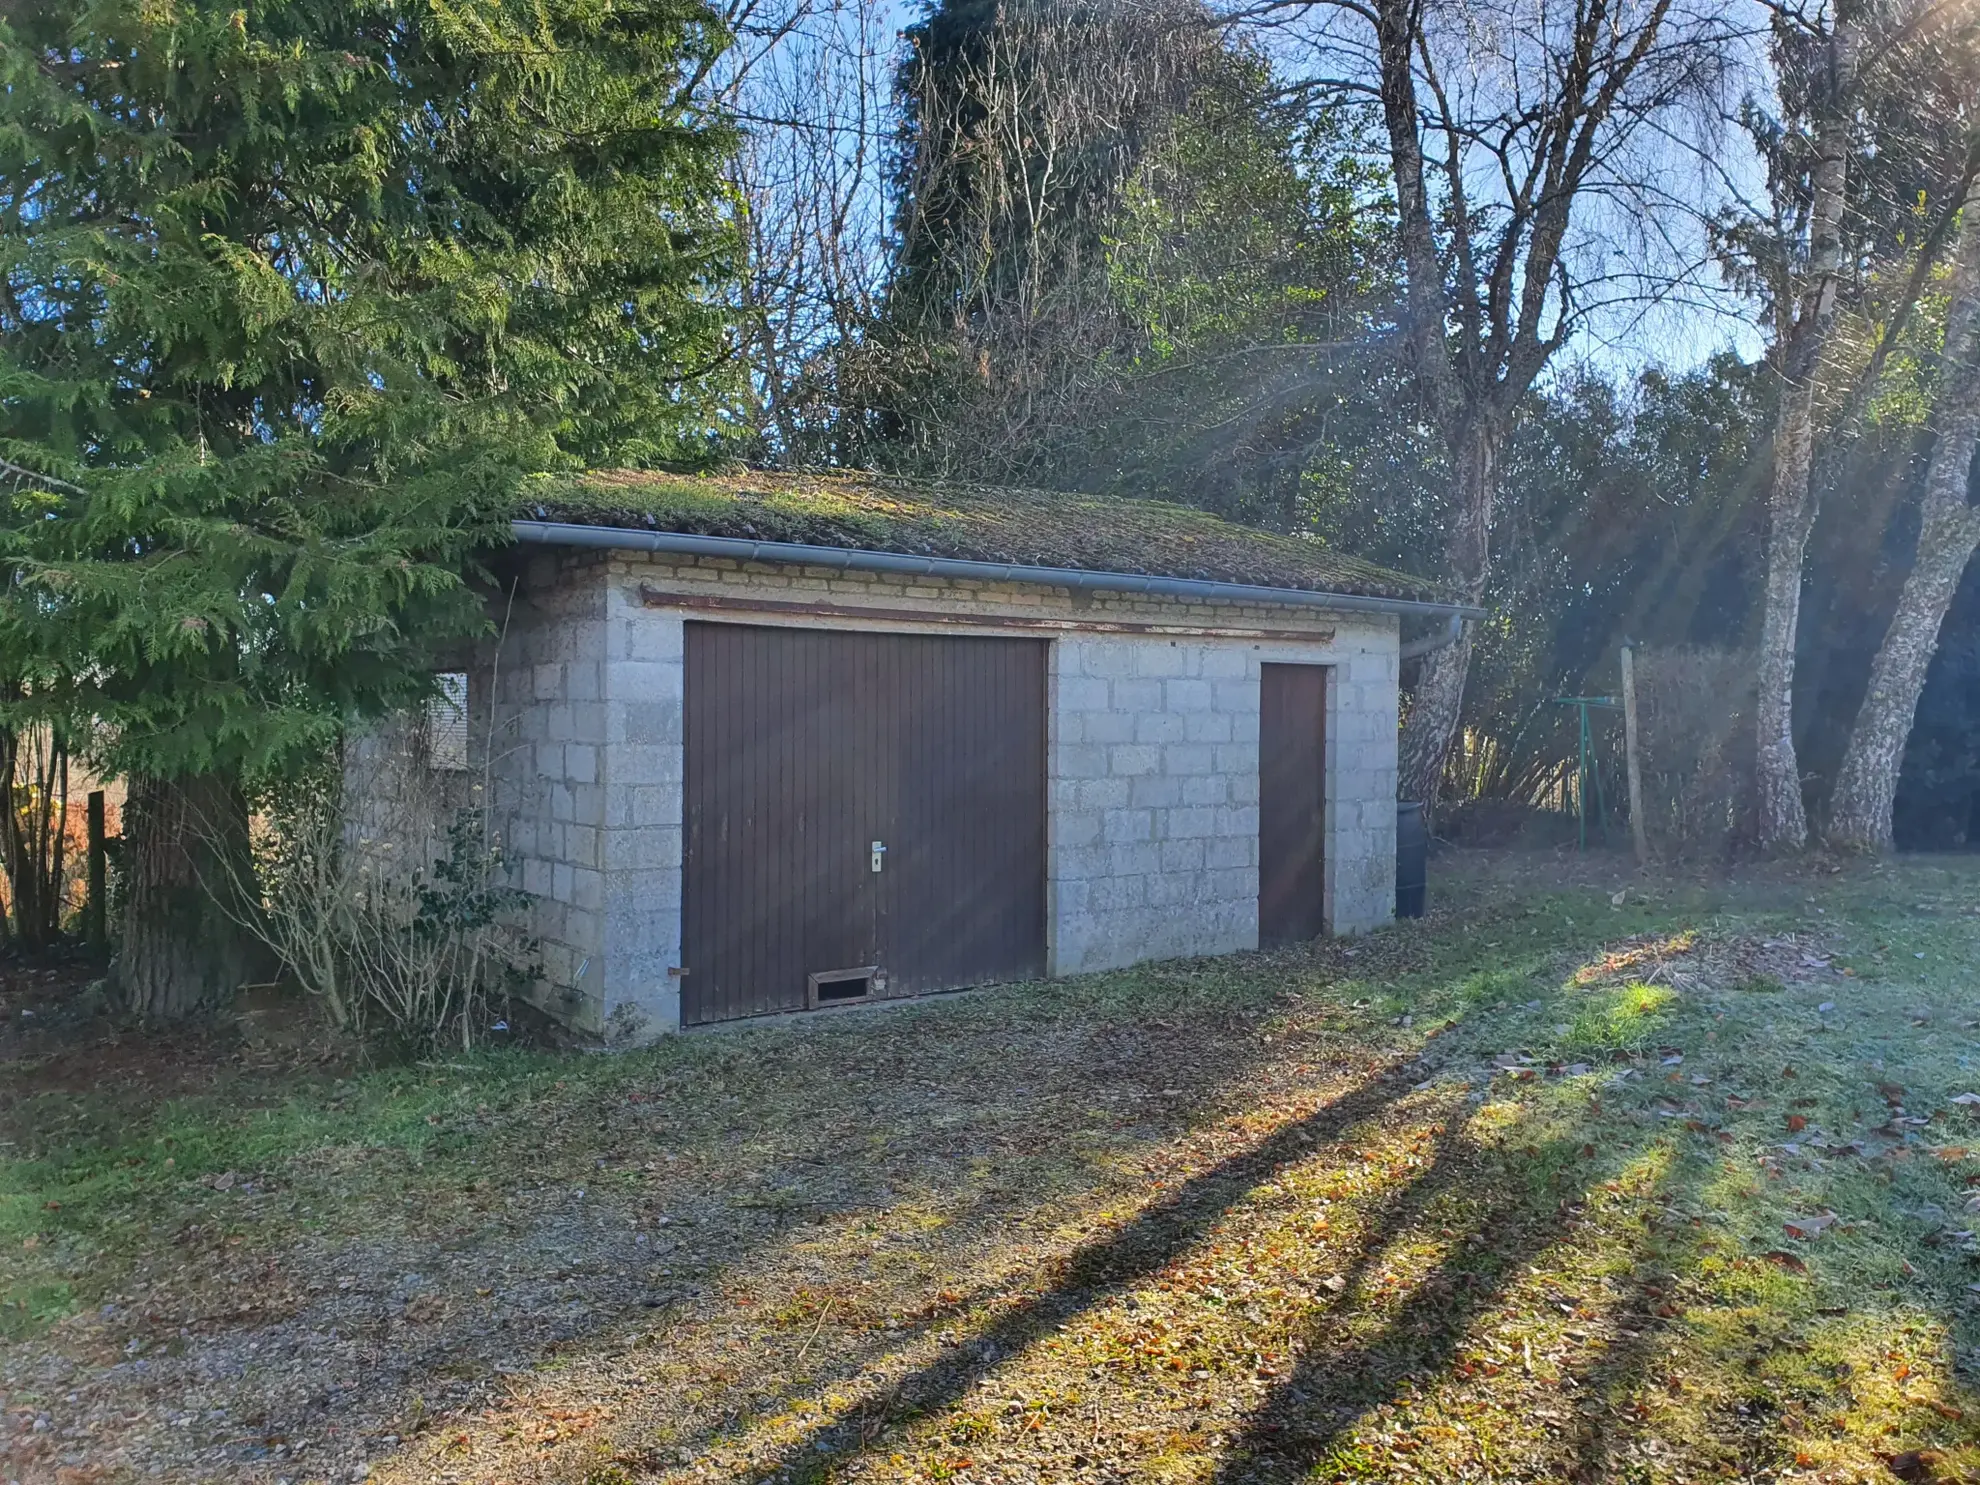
<point>447,722</point>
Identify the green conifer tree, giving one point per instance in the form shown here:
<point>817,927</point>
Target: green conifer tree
<point>293,295</point>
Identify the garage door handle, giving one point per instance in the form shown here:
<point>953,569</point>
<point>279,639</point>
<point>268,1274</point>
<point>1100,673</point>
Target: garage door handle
<point>879,850</point>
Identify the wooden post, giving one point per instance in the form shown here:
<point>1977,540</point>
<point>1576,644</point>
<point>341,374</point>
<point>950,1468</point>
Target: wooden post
<point>1631,757</point>
<point>96,916</point>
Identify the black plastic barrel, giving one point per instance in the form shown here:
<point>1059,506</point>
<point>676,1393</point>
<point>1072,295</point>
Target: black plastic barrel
<point>1412,861</point>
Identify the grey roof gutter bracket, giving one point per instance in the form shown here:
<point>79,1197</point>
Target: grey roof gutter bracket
<point>855,559</point>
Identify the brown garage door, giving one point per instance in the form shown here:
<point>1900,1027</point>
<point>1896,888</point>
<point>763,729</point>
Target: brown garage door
<point>806,746</point>
<point>1292,803</point>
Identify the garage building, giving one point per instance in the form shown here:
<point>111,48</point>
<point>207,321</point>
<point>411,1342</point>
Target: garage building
<point>762,743</point>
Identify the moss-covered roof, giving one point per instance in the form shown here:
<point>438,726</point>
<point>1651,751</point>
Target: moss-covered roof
<point>1042,528</point>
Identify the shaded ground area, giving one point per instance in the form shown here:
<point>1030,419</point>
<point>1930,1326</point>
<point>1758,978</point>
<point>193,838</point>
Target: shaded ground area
<point>1556,1185</point>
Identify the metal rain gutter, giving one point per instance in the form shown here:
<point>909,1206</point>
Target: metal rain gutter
<point>854,559</point>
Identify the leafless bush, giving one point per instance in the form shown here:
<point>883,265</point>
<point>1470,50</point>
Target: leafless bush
<point>1695,711</point>
<point>409,933</point>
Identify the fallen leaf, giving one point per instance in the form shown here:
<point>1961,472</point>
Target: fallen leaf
<point>1966,1098</point>
<point>1788,1261</point>
<point>1796,1123</point>
<point>1809,1228</point>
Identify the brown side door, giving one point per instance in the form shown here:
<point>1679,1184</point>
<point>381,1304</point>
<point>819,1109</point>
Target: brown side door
<point>803,748</point>
<point>1292,803</point>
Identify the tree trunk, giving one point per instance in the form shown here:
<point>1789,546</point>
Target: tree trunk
<point>1948,532</point>
<point>186,843</point>
<point>1438,699</point>
<point>1782,819</point>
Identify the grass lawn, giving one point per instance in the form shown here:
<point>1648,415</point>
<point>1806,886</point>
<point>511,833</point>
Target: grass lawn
<point>1553,1186</point>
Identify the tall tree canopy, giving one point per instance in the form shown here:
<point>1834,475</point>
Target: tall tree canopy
<point>291,296</point>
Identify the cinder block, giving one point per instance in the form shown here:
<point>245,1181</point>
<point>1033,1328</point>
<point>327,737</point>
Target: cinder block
<point>655,849</point>
<point>1182,856</point>
<point>1207,727</point>
<point>1076,827</point>
<point>653,636</point>
<point>1204,788</point>
<point>1189,758</point>
<point>1158,727</point>
<point>642,680</point>
<point>1158,660</point>
<point>655,805</point>
<point>1080,761</point>
<point>653,721</point>
<point>1129,759</point>
<point>1078,693</point>
<point>1188,695</point>
<point>1224,663</point>
<point>1238,820</point>
<point>1126,826</point>
<point>1153,791</point>
<point>1227,852</point>
<point>581,763</point>
<point>1105,794</point>
<point>1183,824</point>
<point>647,763</point>
<point>1107,659</point>
<point>1113,894</point>
<point>1136,696</point>
<point>1109,727</point>
<point>1236,758</point>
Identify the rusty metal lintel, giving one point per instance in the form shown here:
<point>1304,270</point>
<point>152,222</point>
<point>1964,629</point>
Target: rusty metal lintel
<point>653,597</point>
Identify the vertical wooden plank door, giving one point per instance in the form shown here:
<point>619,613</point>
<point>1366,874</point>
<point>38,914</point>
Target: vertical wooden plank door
<point>1292,803</point>
<point>805,746</point>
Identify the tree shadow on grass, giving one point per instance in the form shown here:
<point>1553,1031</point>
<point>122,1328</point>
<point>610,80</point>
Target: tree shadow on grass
<point>1099,1269</point>
<point>1333,1386</point>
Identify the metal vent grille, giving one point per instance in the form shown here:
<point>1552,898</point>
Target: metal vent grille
<point>447,722</point>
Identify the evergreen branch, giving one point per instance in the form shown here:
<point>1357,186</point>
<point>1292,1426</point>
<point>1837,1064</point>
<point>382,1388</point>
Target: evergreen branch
<point>19,475</point>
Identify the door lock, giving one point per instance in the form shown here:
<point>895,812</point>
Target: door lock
<point>879,850</point>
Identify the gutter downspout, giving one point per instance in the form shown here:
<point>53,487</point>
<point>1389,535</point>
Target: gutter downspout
<point>1443,639</point>
<point>742,549</point>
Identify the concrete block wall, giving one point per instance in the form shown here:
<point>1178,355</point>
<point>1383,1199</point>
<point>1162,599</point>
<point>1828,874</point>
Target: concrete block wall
<point>1152,757</point>
<point>1154,791</point>
<point>645,686</point>
<point>545,681</point>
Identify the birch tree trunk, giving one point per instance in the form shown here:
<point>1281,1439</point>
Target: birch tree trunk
<point>182,949</point>
<point>1948,533</point>
<point>1439,696</point>
<point>1782,818</point>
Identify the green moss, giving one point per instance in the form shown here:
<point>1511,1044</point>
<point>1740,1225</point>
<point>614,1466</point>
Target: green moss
<point>971,522</point>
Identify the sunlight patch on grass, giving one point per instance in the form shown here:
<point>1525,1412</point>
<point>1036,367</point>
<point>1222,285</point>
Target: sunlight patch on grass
<point>1627,1020</point>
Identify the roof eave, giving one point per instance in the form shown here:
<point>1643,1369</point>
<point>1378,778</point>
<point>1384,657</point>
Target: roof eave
<point>859,559</point>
